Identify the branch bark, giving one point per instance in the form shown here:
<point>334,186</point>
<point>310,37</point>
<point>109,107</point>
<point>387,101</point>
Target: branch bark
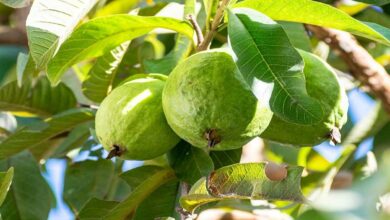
<point>360,63</point>
<point>204,45</point>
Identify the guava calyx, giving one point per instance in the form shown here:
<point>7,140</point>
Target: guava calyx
<point>212,137</point>
<point>115,152</point>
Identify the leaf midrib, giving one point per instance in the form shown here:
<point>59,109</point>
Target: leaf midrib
<point>269,68</point>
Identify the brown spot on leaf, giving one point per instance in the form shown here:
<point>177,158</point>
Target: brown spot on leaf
<point>275,172</point>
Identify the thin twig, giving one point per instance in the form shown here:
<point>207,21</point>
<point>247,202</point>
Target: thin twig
<point>360,63</point>
<point>198,31</point>
<point>214,26</point>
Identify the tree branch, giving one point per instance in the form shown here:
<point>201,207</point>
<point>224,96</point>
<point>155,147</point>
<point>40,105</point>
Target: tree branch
<point>12,36</point>
<point>360,63</point>
<point>198,31</point>
<point>214,26</point>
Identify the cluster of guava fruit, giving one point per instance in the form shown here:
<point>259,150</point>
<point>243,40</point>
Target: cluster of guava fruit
<point>206,102</point>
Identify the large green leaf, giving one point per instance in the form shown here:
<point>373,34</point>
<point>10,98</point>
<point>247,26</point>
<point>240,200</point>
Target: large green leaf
<point>181,50</point>
<point>272,61</point>
<point>190,163</point>
<point>160,203</point>
<point>81,176</point>
<point>244,181</point>
<point>317,13</point>
<point>5,183</point>
<point>99,80</point>
<point>96,209</point>
<point>297,35</point>
<point>28,137</point>
<point>50,22</point>
<point>226,157</point>
<point>76,138</point>
<point>16,3</point>
<point>40,99</point>
<point>127,207</point>
<point>30,196</point>
<point>101,35</point>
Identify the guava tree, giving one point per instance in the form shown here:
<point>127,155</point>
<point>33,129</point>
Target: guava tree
<point>192,109</point>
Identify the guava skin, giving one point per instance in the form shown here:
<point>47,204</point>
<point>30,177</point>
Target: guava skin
<point>206,95</point>
<point>131,117</point>
<point>323,85</point>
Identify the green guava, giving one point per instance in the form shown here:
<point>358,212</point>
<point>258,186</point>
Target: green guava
<point>208,103</point>
<point>131,123</point>
<point>323,85</point>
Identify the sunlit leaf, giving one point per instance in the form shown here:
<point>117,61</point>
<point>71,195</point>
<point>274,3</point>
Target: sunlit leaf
<point>317,13</point>
<point>244,181</point>
<point>101,35</point>
<point>50,22</point>
<point>99,80</point>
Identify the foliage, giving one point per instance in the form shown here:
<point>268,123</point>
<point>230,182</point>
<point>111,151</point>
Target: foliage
<point>79,51</point>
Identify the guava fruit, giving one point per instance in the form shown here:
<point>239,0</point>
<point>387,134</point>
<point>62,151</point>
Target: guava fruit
<point>130,121</point>
<point>323,85</point>
<point>207,103</point>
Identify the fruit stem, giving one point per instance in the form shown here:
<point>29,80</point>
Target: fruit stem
<point>204,45</point>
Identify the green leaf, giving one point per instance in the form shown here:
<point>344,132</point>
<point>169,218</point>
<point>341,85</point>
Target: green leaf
<point>96,209</point>
<point>244,181</point>
<point>16,3</point>
<point>127,207</point>
<point>25,68</point>
<point>181,50</point>
<point>49,23</point>
<point>30,196</point>
<point>81,176</point>
<point>5,183</point>
<point>136,176</point>
<point>76,138</point>
<point>226,157</point>
<point>297,35</point>
<point>190,163</point>
<point>375,2</point>
<point>99,80</point>
<point>101,35</point>
<point>40,99</point>
<point>117,7</point>
<point>160,203</point>
<point>317,13</point>
<point>262,61</point>
<point>28,137</point>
